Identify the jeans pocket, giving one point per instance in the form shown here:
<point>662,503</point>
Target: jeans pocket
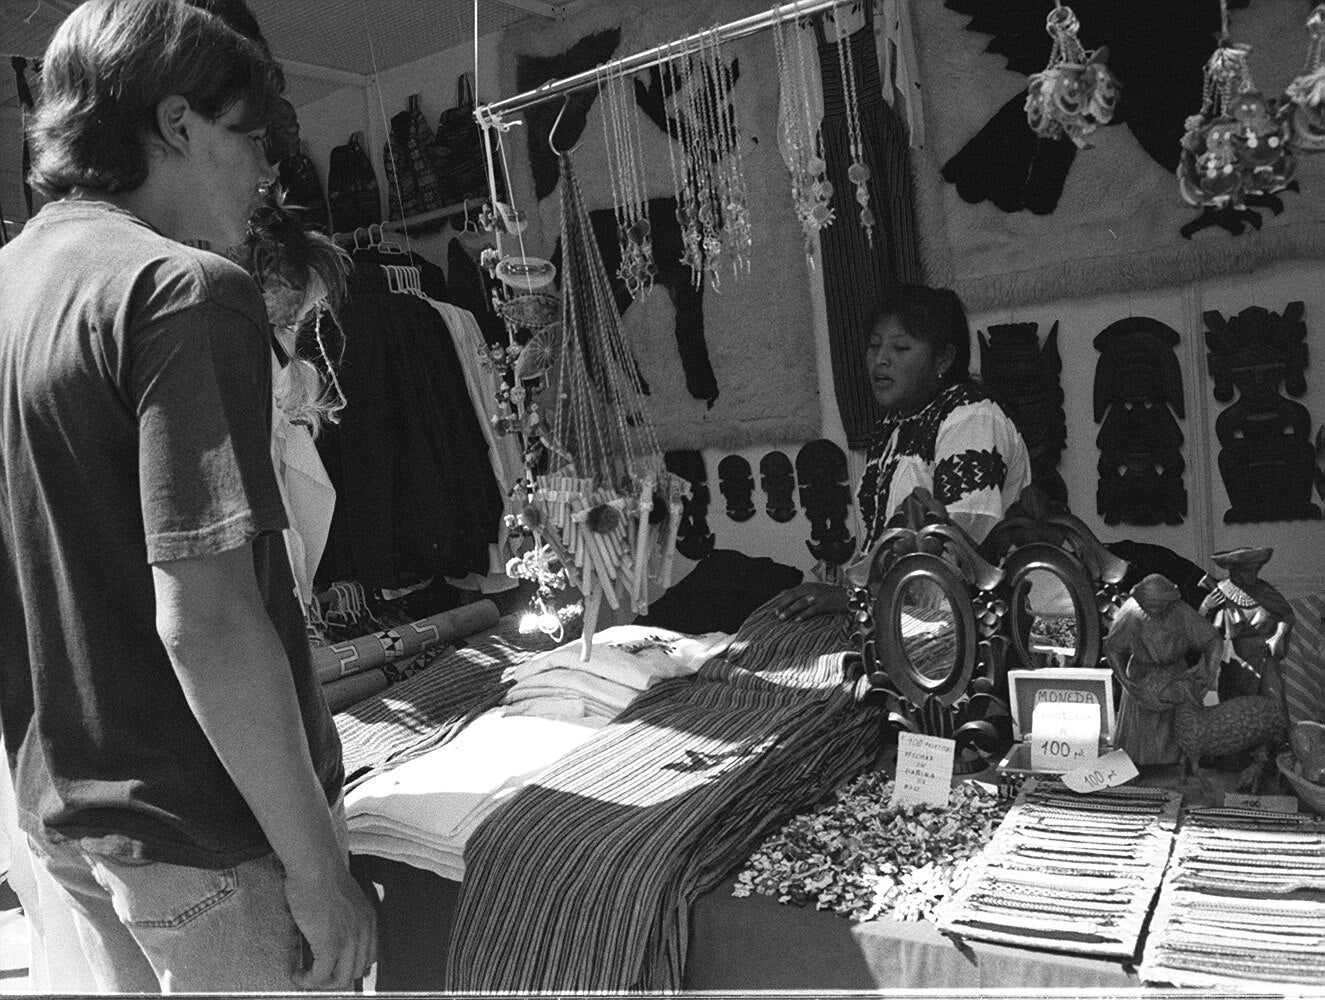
<point>160,894</point>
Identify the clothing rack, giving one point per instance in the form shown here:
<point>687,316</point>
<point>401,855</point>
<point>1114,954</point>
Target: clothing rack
<point>491,114</point>
<point>404,225</point>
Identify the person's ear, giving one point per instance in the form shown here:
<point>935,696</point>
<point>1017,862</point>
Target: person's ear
<point>944,360</point>
<point>172,122</point>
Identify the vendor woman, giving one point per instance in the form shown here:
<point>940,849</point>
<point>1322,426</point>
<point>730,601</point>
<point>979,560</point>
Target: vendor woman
<point>940,430</point>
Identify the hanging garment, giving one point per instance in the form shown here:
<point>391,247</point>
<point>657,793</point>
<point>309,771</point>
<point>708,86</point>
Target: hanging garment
<point>416,494</point>
<point>306,491</point>
<point>503,449</point>
<point>471,289</point>
<point>352,187</point>
<point>412,187</point>
<point>857,277</point>
<point>432,279</point>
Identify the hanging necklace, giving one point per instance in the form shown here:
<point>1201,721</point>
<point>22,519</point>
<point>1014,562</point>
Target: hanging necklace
<point>807,193</point>
<point>858,173</point>
<point>636,269</point>
<point>680,185</point>
<point>739,236</point>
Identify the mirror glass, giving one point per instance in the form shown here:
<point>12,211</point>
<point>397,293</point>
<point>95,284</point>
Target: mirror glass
<point>929,629</point>
<point>1053,619</point>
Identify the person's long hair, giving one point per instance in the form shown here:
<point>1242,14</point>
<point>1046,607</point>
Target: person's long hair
<point>279,244</point>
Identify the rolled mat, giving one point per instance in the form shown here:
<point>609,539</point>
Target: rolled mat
<point>379,648</point>
<point>343,692</point>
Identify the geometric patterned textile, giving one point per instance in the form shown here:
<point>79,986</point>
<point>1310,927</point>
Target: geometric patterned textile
<point>1303,667</point>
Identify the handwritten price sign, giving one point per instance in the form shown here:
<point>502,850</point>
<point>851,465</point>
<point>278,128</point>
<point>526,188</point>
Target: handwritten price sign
<point>924,770</point>
<point>1064,735</point>
<point>1106,772</point>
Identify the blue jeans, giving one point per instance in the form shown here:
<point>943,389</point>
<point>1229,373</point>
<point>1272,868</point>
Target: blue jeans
<point>152,927</point>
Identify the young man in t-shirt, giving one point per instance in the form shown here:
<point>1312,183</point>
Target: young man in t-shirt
<point>175,763</point>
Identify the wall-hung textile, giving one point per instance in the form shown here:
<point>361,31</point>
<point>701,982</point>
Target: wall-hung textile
<point>756,332</point>
<point>860,271</point>
<point>1081,222</point>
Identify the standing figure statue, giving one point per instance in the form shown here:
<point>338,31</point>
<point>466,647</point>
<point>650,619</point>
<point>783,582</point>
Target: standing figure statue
<point>1255,621</point>
<point>1147,647</point>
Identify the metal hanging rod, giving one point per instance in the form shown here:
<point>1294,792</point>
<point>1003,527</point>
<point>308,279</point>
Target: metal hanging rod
<point>652,57</point>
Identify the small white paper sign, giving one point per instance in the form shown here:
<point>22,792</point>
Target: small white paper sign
<point>1267,803</point>
<point>1064,735</point>
<point>1109,771</point>
<point>924,770</point>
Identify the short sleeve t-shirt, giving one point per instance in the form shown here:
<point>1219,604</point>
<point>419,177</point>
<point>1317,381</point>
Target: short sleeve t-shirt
<point>135,394</point>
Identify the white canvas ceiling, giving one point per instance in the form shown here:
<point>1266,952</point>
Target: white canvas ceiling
<point>324,44</point>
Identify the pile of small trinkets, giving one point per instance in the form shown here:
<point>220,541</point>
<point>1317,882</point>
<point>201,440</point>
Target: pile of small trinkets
<point>865,859</point>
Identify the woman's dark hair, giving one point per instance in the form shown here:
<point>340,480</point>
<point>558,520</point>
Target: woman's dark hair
<point>934,315</point>
<point>107,68</point>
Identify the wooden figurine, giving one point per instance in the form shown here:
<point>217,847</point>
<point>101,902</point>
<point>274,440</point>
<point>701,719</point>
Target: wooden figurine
<point>1147,646</point>
<point>1255,621</point>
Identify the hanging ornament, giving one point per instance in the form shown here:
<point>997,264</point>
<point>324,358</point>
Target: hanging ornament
<point>1075,93</point>
<point>1237,146</point>
<point>811,191</point>
<point>858,173</point>
<point>1305,96</point>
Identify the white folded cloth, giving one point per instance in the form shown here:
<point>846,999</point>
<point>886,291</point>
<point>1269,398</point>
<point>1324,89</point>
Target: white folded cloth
<point>634,655</point>
<point>423,811</point>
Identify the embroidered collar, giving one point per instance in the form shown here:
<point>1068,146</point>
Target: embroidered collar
<point>1236,595</point>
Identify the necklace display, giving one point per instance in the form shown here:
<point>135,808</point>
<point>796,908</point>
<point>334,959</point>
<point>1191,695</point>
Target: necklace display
<point>810,189</point>
<point>625,173</point>
<point>858,172</point>
<point>712,207</point>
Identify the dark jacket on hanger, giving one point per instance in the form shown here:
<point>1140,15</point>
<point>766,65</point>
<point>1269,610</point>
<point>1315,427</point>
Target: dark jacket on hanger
<point>415,493</point>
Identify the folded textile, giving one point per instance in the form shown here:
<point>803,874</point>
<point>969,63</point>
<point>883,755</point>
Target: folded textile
<point>585,878</point>
<point>562,706</point>
<point>634,655</point>
<point>378,648</point>
<point>428,806</point>
<point>609,695</point>
<point>428,709</point>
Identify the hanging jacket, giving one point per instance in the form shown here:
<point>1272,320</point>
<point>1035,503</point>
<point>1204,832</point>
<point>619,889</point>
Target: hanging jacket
<point>416,493</point>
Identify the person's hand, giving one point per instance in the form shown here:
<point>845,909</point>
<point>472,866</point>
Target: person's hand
<point>340,927</point>
<point>808,600</point>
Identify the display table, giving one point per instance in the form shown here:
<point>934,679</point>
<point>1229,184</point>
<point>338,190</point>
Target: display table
<point>747,943</point>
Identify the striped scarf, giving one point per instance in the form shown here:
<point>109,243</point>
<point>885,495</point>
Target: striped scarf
<point>584,881</point>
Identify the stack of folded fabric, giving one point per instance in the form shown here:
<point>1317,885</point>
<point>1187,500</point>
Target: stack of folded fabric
<point>422,812</point>
<point>627,661</point>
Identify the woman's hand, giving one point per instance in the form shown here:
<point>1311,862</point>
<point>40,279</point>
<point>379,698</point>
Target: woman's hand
<point>808,600</point>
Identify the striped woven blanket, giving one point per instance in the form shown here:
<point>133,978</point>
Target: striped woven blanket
<point>585,879</point>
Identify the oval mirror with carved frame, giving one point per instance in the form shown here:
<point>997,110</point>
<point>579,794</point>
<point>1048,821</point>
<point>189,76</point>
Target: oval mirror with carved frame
<point>927,646</point>
<point>1019,568</point>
